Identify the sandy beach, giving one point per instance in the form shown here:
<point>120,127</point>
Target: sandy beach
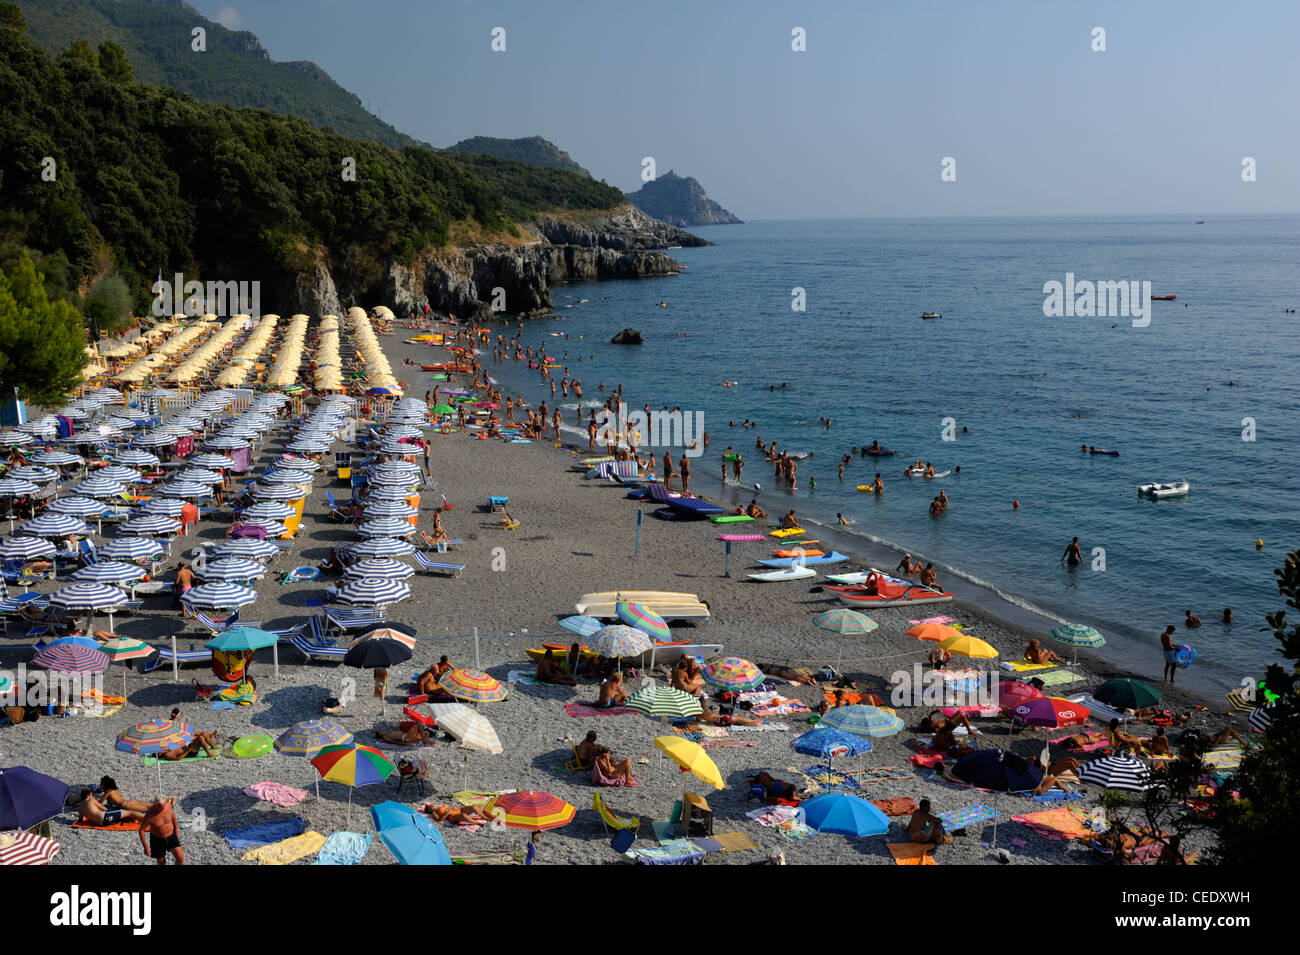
<point>576,536</point>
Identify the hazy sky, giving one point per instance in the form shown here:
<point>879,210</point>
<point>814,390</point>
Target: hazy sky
<point>859,123</point>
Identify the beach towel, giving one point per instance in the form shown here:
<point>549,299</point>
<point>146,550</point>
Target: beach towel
<point>150,760</point>
<point>850,697</point>
<point>1059,825</point>
<point>1059,677</point>
<point>1055,795</point>
<point>124,826</point>
<point>672,852</point>
<point>600,779</point>
<point>1100,744</point>
<point>264,833</point>
<point>910,853</point>
<point>276,793</point>
<point>726,842</point>
<point>1022,666</point>
<point>928,760</point>
<point>468,797</point>
<point>955,819</point>
<point>726,743</point>
<point>344,848</point>
<point>795,830</point>
<point>523,676</point>
<point>772,815</point>
<point>830,779</point>
<point>781,708</point>
<point>984,712</point>
<point>501,857</point>
<point>898,806</point>
<point>931,620</point>
<point>1223,758</point>
<point>290,850</point>
<point>98,713</point>
<point>97,696</point>
<point>584,709</point>
<point>222,705</point>
<point>765,728</point>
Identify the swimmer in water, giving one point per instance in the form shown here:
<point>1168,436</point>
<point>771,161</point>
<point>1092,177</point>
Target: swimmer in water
<point>1072,553</point>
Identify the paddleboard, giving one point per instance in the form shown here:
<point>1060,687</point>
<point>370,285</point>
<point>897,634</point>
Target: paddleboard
<point>789,573</point>
<point>834,557</point>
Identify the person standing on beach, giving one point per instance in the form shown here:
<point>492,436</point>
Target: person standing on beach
<point>668,469</point>
<point>591,435</point>
<point>1170,652</point>
<point>685,466</point>
<point>1072,553</point>
<point>737,466</point>
<point>159,825</point>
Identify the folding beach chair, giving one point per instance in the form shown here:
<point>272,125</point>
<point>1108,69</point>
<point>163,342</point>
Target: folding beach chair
<point>325,649</point>
<point>609,819</point>
<point>435,566</point>
<point>343,618</point>
<point>576,765</point>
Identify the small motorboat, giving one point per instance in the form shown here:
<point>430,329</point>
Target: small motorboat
<point>1172,489</point>
<point>928,315</point>
<point>1163,298</point>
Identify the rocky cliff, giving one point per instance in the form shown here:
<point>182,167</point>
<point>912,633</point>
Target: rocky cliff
<point>680,201</point>
<point>622,244</point>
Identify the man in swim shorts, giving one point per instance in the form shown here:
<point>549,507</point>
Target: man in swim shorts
<point>1171,653</point>
<point>160,825</point>
<point>93,811</point>
<point>926,828</point>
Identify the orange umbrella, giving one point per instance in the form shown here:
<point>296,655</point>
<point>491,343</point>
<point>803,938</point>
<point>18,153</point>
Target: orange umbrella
<point>934,632</point>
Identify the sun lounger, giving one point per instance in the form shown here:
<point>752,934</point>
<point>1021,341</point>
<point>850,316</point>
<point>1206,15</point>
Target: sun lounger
<point>343,618</point>
<point>1099,710</point>
<point>166,655</point>
<point>436,566</point>
<point>310,649</point>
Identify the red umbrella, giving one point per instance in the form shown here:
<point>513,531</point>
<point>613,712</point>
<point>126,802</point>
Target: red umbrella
<point>1011,693</point>
<point>1051,712</point>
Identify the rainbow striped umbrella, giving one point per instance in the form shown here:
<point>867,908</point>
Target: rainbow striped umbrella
<point>862,720</point>
<point>71,655</point>
<point>531,810</point>
<point>122,649</point>
<point>643,618</point>
<point>468,726</point>
<point>473,685</point>
<point>844,620</point>
<point>155,736</point>
<point>25,848</point>
<point>619,641</point>
<point>353,764</point>
<point>733,673</point>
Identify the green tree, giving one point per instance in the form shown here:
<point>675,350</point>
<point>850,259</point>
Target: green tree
<point>42,343</point>
<point>1261,807</point>
<point>11,15</point>
<point>107,304</point>
<point>113,62</point>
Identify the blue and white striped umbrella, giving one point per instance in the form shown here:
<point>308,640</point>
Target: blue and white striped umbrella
<point>206,460</point>
<point>87,596</point>
<point>31,472</point>
<point>401,431</point>
<point>581,625</point>
<point>389,509</point>
<point>16,487</point>
<point>294,462</point>
<point>268,511</point>
<point>239,431</point>
<point>100,487</point>
<point>135,459</point>
<point>55,525</point>
<point>307,446</point>
<point>393,479</point>
<point>397,447</point>
<point>101,436</point>
<point>76,506</point>
<point>381,567</point>
<point>230,568</point>
<point>200,476</point>
<point>149,524</point>
<point>108,572</point>
<point>277,492</point>
<point>1261,718</point>
<point>11,439</point>
<point>250,548</point>
<point>131,548</point>
<point>286,477</point>
<point>273,528</point>
<point>25,548</point>
<point>185,489</point>
<point>117,472</point>
<point>387,492</point>
<point>154,439</point>
<point>218,596</point>
<point>398,468</point>
<point>373,592</point>
<point>165,506</point>
<point>381,547</point>
<point>119,422</point>
<point>386,527</point>
<point>224,443</point>
<point>57,458</point>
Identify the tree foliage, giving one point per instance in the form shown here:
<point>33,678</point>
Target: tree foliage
<point>42,342</point>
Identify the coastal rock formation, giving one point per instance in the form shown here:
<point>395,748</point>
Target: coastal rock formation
<point>680,201</point>
<point>628,336</point>
<point>533,150</point>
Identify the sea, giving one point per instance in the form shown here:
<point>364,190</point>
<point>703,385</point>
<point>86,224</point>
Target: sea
<point>814,320</point>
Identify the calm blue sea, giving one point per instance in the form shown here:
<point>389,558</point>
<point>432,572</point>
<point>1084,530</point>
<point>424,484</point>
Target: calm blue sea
<point>1029,389</point>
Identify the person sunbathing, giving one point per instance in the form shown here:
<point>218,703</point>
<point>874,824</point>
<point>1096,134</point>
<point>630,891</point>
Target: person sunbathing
<point>793,675</point>
<point>1082,740</point>
<point>1158,745</point>
<point>925,828</point>
<point>1050,780</point>
<point>91,810</point>
<point>945,732</point>
<point>1118,739</point>
<point>1036,654</point>
<point>707,715</point>
<point>457,815</point>
<point>681,679</point>
<point>112,797</point>
<point>550,671</point>
<point>202,742</point>
<point>606,769</point>
<point>612,693</point>
<point>775,788</point>
<point>408,733</point>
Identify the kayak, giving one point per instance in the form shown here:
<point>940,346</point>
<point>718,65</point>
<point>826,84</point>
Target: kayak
<point>834,557</point>
<point>789,573</point>
<point>1173,489</point>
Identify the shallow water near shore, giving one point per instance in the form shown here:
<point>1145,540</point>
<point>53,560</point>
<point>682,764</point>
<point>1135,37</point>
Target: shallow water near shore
<point>1029,388</point>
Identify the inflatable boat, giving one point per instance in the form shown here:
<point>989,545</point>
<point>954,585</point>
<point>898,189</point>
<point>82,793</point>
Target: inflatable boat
<point>1173,489</point>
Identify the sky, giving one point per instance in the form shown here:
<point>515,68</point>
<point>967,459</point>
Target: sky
<point>859,123</point>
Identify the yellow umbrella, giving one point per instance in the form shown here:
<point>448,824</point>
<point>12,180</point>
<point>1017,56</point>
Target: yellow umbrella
<point>968,646</point>
<point>690,756</point>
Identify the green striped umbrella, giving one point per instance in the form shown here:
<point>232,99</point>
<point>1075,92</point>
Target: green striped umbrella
<point>862,720</point>
<point>1078,635</point>
<point>121,649</point>
<point>663,701</point>
<point>844,620</point>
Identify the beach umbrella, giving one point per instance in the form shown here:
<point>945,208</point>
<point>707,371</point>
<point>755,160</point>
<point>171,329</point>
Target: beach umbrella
<point>845,814</point>
<point>382,632</point>
<point>968,646</point>
<point>1051,712</point>
<point>255,549</point>
<point>88,597</point>
<point>11,439</point>
<point>76,506</point>
<point>933,632</point>
<point>16,487</point>
<point>278,492</point>
<point>380,547</point>
<point>68,655</point>
<point>185,489</point>
<point>154,439</point>
<point>100,487</point>
<point>224,443</point>
<point>844,620</point>
<point>269,528</point>
<point>528,809</point>
<point>389,509</point>
<point>373,592</point>
<point>829,743</point>
<point>308,447</point>
<point>153,737</point>
<point>401,468</point>
<point>26,848</point>
<point>309,737</point>
<point>1011,693</point>
<point>581,625</point>
<point>443,408</point>
<point>401,431</point>
<point>1261,719</point>
<point>385,492</point>
<point>380,567</point>
<point>1127,694</point>
<point>691,757</point>
<point>1116,772</point>
<point>395,480</point>
<point>231,568</point>
<point>162,507</point>
<point>242,639</point>
<point>467,725</point>
<point>29,798</point>
<point>998,770</point>
<point>376,653</point>
<point>108,572</point>
<point>286,477</point>
<point>412,838</point>
<point>131,548</point>
<point>292,462</point>
<point>25,548</point>
<point>354,765</point>
<point>32,472</point>
<point>200,476</point>
<point>54,525</point>
<point>267,511</point>
<point>619,641</point>
<point>1078,635</point>
<point>57,458</point>
<point>386,527</point>
<point>147,525</point>
<point>135,458</point>
<point>644,618</point>
<point>862,720</point>
<point>473,685</point>
<point>733,673</point>
<point>122,649</point>
<point>208,460</point>
<point>218,596</point>
<point>663,702</point>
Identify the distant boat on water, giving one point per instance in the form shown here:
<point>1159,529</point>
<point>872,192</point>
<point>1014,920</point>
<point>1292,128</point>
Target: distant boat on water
<point>931,315</point>
<point>1163,298</point>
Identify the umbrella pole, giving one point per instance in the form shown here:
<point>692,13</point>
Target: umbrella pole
<point>175,669</point>
<point>476,663</point>
<point>275,655</point>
